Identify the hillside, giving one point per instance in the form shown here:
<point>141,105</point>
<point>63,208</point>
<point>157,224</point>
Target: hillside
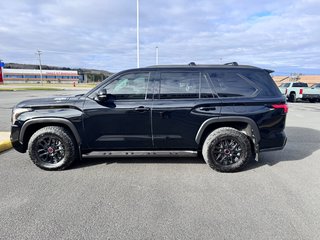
<point>46,67</point>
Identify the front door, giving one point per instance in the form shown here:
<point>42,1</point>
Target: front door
<point>124,120</point>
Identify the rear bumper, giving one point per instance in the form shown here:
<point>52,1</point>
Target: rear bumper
<point>311,96</point>
<point>14,138</point>
<point>275,142</point>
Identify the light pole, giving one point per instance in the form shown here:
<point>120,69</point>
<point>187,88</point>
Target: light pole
<point>138,40</point>
<point>39,55</point>
<point>157,55</point>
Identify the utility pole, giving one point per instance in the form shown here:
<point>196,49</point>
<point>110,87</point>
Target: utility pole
<point>39,55</point>
<point>138,40</point>
<point>157,55</point>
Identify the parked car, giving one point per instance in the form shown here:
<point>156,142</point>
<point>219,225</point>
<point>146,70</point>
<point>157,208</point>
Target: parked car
<point>228,113</point>
<point>313,93</point>
<point>316,85</point>
<point>299,90</point>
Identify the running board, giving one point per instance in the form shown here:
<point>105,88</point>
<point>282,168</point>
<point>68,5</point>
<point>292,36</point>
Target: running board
<point>141,154</point>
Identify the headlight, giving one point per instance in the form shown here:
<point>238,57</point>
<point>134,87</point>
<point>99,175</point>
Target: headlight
<point>16,112</point>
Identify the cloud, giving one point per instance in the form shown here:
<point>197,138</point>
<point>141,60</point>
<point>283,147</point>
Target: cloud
<point>282,35</point>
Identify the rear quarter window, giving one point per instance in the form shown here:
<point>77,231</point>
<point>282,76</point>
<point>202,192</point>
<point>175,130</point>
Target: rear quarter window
<point>263,80</point>
<point>243,83</point>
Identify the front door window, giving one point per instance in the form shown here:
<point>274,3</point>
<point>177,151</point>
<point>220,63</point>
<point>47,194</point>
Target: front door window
<point>129,86</point>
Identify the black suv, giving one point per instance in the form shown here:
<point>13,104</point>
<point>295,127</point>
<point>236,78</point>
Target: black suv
<point>227,113</point>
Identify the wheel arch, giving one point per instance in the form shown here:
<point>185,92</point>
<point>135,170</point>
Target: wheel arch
<point>243,124</point>
<point>32,125</point>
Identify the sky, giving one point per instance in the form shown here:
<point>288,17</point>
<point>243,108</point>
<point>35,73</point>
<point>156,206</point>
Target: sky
<point>282,35</point>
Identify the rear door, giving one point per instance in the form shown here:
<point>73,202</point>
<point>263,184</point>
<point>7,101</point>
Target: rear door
<point>183,100</point>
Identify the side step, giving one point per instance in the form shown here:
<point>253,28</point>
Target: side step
<point>140,154</point>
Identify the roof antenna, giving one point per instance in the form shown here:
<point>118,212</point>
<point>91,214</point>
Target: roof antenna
<point>192,64</point>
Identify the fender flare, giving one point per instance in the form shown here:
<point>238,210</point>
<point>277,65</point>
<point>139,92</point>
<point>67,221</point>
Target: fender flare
<point>50,120</point>
<point>255,134</point>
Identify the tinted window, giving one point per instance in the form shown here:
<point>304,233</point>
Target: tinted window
<point>129,86</point>
<point>285,85</point>
<point>299,84</point>
<point>229,83</point>
<point>243,83</point>
<point>179,85</point>
<point>206,91</point>
<point>263,81</point>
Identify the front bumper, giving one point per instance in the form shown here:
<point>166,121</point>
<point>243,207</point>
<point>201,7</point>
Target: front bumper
<point>14,138</point>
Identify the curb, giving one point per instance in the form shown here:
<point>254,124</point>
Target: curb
<point>5,143</point>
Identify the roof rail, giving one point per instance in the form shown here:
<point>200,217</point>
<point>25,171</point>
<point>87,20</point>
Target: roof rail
<point>232,64</point>
<point>192,64</point>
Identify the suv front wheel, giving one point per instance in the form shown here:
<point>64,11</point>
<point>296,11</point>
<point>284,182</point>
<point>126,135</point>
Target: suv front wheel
<point>226,149</point>
<point>52,148</point>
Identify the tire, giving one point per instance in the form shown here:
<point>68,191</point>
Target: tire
<point>312,100</point>
<point>226,150</point>
<point>292,97</point>
<point>53,148</point>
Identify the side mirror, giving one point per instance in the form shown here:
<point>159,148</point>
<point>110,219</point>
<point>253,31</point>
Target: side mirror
<point>102,95</point>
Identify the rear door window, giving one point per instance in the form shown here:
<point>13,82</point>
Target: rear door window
<point>175,85</point>
<point>205,88</point>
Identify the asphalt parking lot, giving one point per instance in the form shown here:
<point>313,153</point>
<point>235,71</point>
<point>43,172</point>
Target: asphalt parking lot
<point>165,198</point>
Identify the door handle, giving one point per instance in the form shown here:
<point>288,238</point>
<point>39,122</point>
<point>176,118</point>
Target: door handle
<point>142,109</point>
<point>207,108</point>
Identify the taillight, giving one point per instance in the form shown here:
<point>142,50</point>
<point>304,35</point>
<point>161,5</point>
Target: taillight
<point>281,106</point>
<point>286,91</point>
<point>301,91</point>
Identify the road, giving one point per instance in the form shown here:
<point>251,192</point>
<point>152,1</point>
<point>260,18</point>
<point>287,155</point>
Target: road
<point>10,98</point>
<point>167,198</point>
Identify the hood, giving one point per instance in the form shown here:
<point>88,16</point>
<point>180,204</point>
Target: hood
<point>49,102</point>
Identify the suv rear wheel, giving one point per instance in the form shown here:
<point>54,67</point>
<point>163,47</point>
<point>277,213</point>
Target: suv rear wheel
<point>226,149</point>
<point>52,148</point>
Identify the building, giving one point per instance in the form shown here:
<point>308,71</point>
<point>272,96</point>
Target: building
<point>34,76</point>
<point>92,76</point>
<point>309,79</point>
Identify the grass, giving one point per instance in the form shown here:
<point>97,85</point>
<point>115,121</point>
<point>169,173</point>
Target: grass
<point>31,89</point>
